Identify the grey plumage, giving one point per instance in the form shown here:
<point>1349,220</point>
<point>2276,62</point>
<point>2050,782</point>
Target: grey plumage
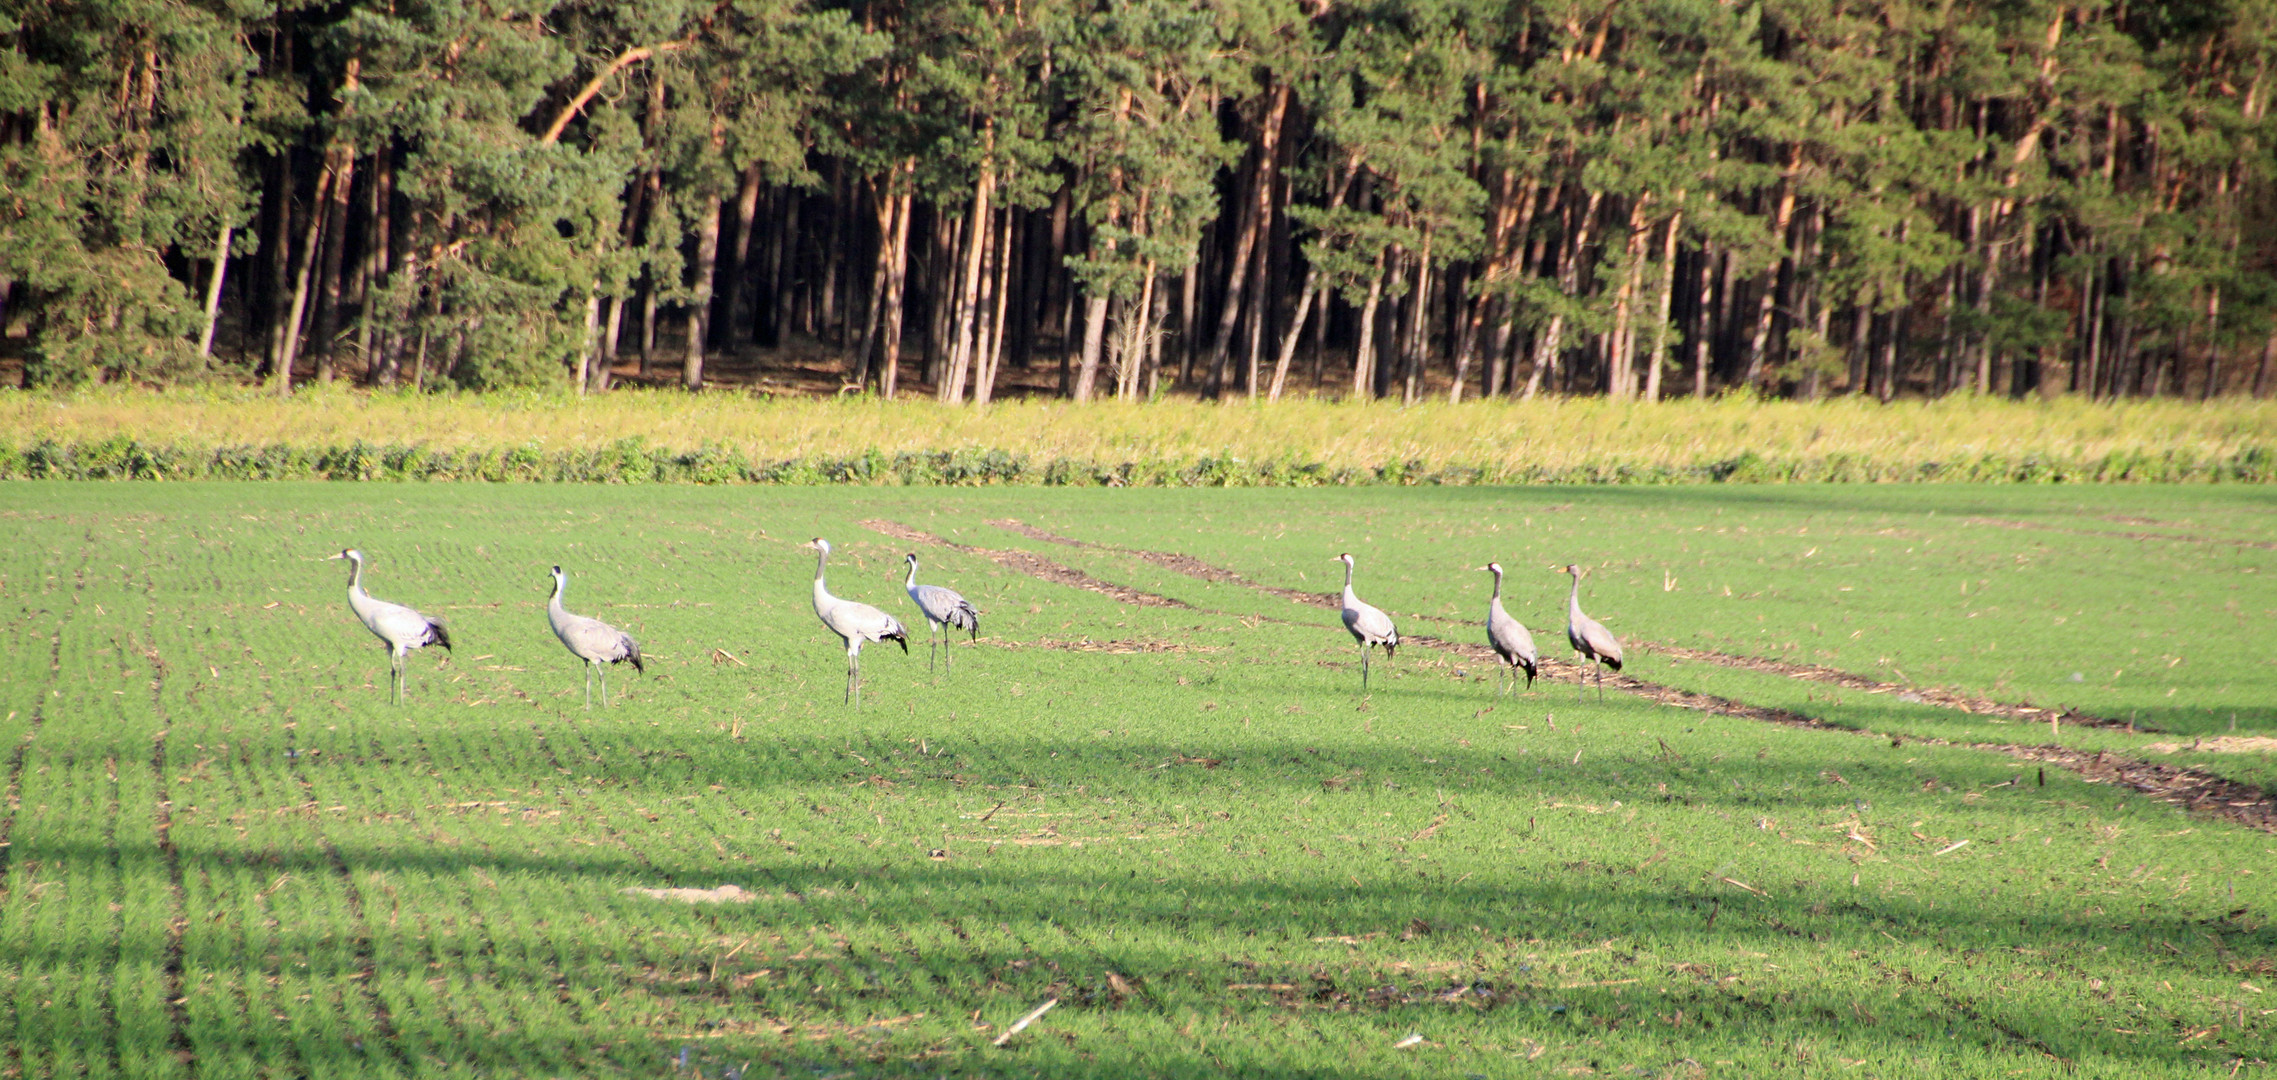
<point>398,627</point>
<point>1589,637</point>
<point>943,609</point>
<point>853,622</point>
<point>1511,641</point>
<point>591,640</point>
<point>1368,625</point>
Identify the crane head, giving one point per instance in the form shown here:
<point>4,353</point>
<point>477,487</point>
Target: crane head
<point>1345,558</point>
<point>557,573</point>
<point>1493,567</point>
<point>1570,568</point>
<point>819,544</point>
<point>350,554</point>
<point>912,557</point>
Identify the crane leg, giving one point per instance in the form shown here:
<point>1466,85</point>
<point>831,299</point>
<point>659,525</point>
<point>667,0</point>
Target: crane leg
<point>853,680</point>
<point>932,648</point>
<point>1600,680</point>
<point>948,659</point>
<point>1363,667</point>
<point>588,684</point>
<point>604,684</point>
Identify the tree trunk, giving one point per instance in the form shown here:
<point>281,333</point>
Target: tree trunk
<point>213,291</point>
<point>997,297</point>
<point>735,305</point>
<point>1364,355</point>
<point>1255,211</point>
<point>335,234</point>
<point>978,231</point>
<point>310,240</point>
<point>889,359</point>
<point>700,286</point>
<point>1094,335</point>
<point>1653,357</point>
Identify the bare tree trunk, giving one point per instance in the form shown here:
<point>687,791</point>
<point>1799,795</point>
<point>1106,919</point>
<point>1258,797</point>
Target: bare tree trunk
<point>335,234</point>
<point>379,213</point>
<point>977,234</point>
<point>1782,219</point>
<point>213,290</point>
<point>1364,356</point>
<point>896,275</point>
<point>996,298</point>
<point>700,302</point>
<point>310,240</point>
<point>1094,335</point>
<point>1654,357</point>
<point>1256,210</point>
<point>737,302</point>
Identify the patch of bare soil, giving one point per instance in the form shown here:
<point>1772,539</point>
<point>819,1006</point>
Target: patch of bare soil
<point>2191,789</point>
<point>725,894</point>
<point>2220,744</point>
<point>1035,566</point>
<point>2180,538</point>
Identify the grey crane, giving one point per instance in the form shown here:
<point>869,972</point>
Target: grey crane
<point>399,628</point>
<point>1368,624</point>
<point>943,609</point>
<point>853,621</point>
<point>1510,639</point>
<point>1589,637</point>
<point>591,640</point>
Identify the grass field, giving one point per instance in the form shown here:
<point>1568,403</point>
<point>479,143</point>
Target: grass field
<point>1165,807</point>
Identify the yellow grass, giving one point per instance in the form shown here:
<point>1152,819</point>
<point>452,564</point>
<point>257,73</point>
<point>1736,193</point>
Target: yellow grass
<point>1554,434</point>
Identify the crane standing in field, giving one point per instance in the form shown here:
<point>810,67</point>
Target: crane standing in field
<point>853,621</point>
<point>943,610</point>
<point>399,628</point>
<point>591,640</point>
<point>1509,637</point>
<point>1369,625</point>
<point>1589,637</point>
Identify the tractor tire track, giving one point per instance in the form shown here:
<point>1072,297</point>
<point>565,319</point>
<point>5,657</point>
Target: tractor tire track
<point>361,951</point>
<point>1974,705</point>
<point>2190,789</point>
<point>2179,538</point>
<point>1033,565</point>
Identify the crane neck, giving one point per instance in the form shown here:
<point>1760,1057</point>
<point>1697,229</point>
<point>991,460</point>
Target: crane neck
<point>1498,586</point>
<point>1573,599</point>
<point>822,595</point>
<point>356,577</point>
<point>912,575</point>
<point>560,585</point>
<point>1347,579</point>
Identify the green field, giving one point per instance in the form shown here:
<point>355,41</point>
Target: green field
<point>1166,807</point>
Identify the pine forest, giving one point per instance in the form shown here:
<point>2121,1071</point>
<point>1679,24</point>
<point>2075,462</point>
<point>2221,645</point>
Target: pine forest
<point>1227,199</point>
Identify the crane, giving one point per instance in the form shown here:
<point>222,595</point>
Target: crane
<point>591,640</point>
<point>853,621</point>
<point>1589,637</point>
<point>1369,625</point>
<point>399,628</point>
<point>943,609</point>
<point>1510,639</point>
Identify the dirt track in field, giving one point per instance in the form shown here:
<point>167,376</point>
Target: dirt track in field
<point>2190,789</point>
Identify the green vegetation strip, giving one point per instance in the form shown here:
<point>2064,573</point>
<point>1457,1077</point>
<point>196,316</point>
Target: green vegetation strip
<point>637,437</point>
<point>1180,823</point>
